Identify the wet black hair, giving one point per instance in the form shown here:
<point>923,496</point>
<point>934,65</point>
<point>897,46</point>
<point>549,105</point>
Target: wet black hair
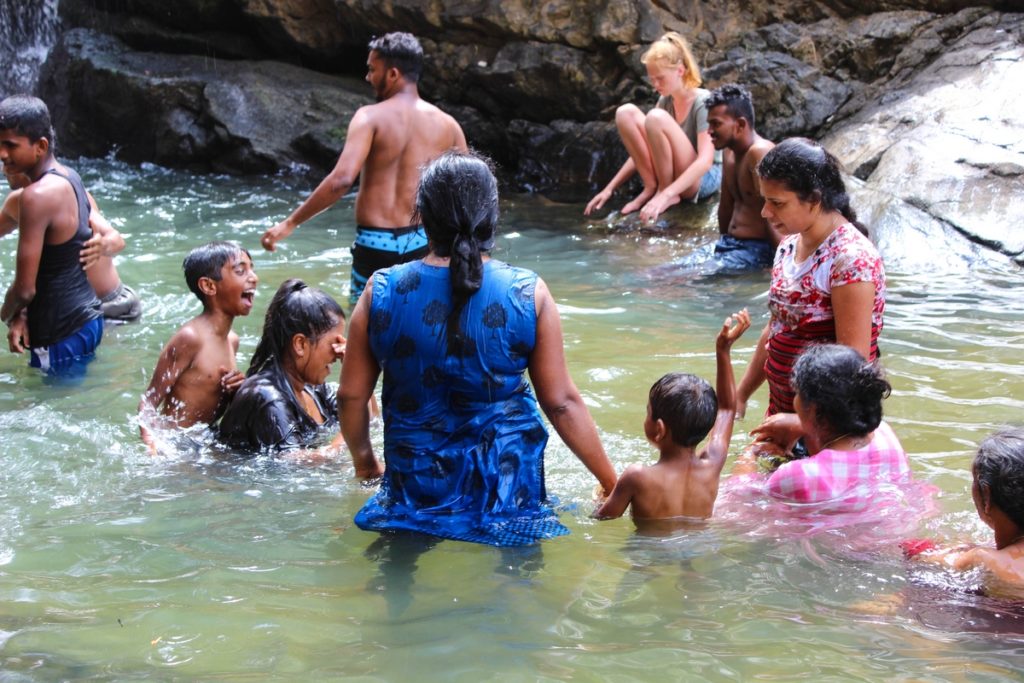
<point>999,465</point>
<point>28,116</point>
<point>296,308</point>
<point>207,261</point>
<point>686,404</point>
<point>402,51</point>
<point>808,170</point>
<point>845,390</point>
<point>457,203</point>
<point>736,99</point>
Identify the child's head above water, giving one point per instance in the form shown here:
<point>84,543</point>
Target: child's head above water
<point>999,473</point>
<point>686,404</point>
<point>299,320</point>
<point>215,261</point>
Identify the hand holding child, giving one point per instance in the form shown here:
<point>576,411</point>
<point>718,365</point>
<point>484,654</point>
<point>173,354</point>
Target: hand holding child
<point>230,380</point>
<point>95,248</point>
<point>782,428</point>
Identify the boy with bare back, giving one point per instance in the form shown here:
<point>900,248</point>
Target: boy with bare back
<point>681,410</point>
<point>747,242</point>
<point>196,374</point>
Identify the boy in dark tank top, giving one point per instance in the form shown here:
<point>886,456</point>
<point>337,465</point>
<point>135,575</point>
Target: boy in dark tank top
<point>50,309</point>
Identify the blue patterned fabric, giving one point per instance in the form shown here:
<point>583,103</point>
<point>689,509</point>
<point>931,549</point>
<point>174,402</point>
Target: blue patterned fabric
<point>463,438</point>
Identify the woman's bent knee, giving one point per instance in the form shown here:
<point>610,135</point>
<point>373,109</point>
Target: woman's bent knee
<point>628,113</point>
<point>659,119</point>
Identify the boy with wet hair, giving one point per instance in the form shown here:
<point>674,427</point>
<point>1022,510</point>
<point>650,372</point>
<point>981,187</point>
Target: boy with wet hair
<point>50,309</point>
<point>681,410</point>
<point>998,493</point>
<point>196,374</point>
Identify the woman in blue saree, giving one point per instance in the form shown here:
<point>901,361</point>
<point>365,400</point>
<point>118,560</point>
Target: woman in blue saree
<point>453,335</point>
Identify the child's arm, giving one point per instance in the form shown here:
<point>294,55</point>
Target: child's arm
<point>9,213</point>
<point>37,210</point>
<point>105,240</point>
<point>621,496</point>
<point>176,357</point>
<point>230,380</point>
<point>754,375</point>
<point>725,388</point>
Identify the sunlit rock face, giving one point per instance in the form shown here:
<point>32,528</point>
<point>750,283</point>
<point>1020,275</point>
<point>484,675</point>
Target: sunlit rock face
<point>948,140</point>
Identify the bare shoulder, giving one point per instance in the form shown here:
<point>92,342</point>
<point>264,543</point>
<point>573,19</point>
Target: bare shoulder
<point>634,470</point>
<point>758,150</point>
<point>728,158</point>
<point>233,340</point>
<point>365,115</point>
<point>188,339</point>
<point>443,122</point>
<point>635,475</point>
<point>13,198</point>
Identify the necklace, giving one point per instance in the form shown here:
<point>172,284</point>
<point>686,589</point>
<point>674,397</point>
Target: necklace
<point>856,444</point>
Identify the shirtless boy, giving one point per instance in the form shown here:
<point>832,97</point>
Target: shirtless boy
<point>386,145</point>
<point>681,410</point>
<point>196,374</point>
<point>50,309</point>
<point>998,492</point>
<point>747,242</point>
<point>118,301</point>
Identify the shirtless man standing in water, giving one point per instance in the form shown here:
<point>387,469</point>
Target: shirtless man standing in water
<point>747,241</point>
<point>386,145</point>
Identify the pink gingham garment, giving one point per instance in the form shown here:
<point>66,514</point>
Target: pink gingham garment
<point>842,475</point>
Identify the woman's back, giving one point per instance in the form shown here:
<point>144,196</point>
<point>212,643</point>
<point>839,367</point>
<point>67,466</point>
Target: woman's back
<point>422,376</point>
<point>463,438</point>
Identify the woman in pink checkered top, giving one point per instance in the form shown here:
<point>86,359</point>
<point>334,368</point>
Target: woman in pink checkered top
<point>838,417</point>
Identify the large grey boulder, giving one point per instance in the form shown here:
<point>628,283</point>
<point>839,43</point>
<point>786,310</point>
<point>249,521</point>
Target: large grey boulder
<point>195,112</point>
<point>949,140</point>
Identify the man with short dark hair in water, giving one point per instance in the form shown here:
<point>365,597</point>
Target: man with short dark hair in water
<point>51,309</point>
<point>386,146</point>
<point>747,241</point>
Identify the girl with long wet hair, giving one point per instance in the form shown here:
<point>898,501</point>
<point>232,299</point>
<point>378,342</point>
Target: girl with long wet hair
<point>284,402</point>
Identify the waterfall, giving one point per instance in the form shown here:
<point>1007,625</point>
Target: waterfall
<point>28,29</point>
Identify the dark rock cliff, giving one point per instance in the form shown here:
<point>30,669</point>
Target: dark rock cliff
<point>895,88</point>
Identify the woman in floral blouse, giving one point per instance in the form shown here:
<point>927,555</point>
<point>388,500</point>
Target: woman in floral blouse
<point>828,282</point>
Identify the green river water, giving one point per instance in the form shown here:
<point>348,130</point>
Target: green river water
<point>118,566</point>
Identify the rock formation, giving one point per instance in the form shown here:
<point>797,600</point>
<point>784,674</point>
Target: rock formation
<point>916,97</point>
